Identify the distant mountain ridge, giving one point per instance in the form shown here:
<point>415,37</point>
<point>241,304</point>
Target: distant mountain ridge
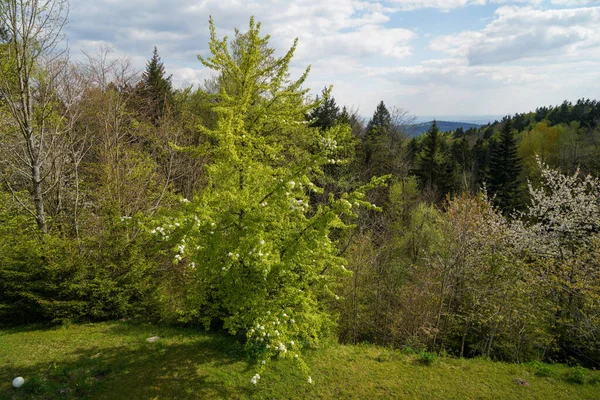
<point>444,126</point>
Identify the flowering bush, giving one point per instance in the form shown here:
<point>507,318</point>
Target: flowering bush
<point>256,254</point>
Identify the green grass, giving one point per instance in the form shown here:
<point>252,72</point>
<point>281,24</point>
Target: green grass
<point>114,361</point>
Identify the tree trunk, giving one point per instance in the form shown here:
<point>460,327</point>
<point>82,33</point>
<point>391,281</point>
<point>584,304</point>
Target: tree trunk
<point>38,198</point>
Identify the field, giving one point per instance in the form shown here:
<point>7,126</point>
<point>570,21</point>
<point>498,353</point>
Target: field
<point>114,361</point>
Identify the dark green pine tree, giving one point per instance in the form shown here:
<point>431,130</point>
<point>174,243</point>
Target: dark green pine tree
<point>427,162</point>
<point>481,156</point>
<point>504,169</point>
<point>326,115</point>
<point>156,89</point>
<point>432,165</point>
<point>378,127</point>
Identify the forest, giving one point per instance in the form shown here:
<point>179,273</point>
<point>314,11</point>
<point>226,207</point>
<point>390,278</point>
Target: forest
<point>248,206</point>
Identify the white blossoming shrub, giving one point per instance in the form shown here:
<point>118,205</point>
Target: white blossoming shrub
<point>559,233</point>
<point>563,214</point>
<point>256,256</point>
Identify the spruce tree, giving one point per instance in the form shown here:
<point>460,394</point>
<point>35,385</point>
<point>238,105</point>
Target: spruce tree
<point>428,163</point>
<point>156,88</point>
<point>378,127</point>
<point>504,169</point>
<point>326,115</point>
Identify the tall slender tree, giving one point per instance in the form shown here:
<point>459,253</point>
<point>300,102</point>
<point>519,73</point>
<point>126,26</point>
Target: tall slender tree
<point>504,169</point>
<point>157,89</point>
<point>378,127</point>
<point>32,34</point>
<point>431,164</point>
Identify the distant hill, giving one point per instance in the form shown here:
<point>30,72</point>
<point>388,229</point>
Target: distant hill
<point>444,126</point>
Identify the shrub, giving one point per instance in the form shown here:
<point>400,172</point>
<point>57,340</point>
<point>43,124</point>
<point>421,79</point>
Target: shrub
<point>577,375</point>
<point>541,369</point>
<point>427,358</point>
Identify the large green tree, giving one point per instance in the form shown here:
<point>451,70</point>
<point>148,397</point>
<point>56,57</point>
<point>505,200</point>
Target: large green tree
<point>257,254</point>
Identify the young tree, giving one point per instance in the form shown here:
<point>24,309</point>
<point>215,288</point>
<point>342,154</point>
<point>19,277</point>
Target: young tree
<point>258,257</point>
<point>33,30</point>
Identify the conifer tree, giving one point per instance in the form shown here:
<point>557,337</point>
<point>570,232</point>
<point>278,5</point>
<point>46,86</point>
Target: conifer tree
<point>378,127</point>
<point>156,88</point>
<point>326,115</point>
<point>352,118</point>
<point>431,164</point>
<point>504,169</point>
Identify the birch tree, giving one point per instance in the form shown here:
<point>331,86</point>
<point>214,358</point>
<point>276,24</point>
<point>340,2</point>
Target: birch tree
<point>31,41</point>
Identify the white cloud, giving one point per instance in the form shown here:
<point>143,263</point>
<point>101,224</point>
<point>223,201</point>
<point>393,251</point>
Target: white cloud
<point>179,27</point>
<point>518,33</point>
<point>447,87</point>
<point>529,53</point>
<point>446,5</point>
<point>574,3</point>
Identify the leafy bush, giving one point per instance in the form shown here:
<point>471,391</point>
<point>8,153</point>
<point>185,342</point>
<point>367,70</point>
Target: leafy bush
<point>427,358</point>
<point>541,369</point>
<point>577,375</point>
<point>49,278</point>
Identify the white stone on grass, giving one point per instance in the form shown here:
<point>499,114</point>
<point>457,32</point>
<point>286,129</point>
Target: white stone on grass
<point>18,382</point>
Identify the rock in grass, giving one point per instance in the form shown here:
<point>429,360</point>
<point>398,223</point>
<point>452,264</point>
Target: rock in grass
<point>153,339</point>
<point>18,382</point>
<point>521,382</point>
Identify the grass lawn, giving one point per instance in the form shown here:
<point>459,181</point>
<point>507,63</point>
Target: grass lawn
<point>114,361</point>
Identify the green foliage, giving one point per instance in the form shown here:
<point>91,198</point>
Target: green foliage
<point>256,256</point>
<point>35,272</point>
<point>385,301</point>
<point>269,230</point>
<point>578,375</point>
<point>427,358</point>
<point>155,89</point>
<point>55,279</point>
<point>542,369</point>
<point>378,129</point>
<point>432,164</point>
<point>504,170</point>
<point>327,114</point>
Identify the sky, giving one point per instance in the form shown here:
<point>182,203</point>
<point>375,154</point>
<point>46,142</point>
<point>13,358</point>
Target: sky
<point>429,57</point>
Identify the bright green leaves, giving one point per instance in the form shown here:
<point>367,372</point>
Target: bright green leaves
<point>257,255</point>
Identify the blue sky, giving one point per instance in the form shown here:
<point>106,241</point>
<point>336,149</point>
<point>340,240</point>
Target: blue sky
<point>429,57</point>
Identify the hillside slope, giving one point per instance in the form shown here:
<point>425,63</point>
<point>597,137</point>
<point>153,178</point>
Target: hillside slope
<point>444,126</point>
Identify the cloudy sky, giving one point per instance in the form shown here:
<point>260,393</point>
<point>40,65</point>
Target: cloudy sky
<point>430,57</point>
